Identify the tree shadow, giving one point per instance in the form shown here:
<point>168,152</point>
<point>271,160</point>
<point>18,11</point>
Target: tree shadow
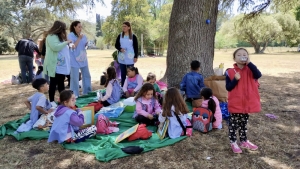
<point>278,139</point>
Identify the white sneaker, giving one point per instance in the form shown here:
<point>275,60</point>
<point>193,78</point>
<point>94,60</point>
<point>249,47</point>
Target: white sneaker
<point>53,104</point>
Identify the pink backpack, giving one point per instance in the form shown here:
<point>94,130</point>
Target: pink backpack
<point>104,126</point>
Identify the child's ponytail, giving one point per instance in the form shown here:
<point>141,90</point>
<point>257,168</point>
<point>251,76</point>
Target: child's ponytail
<point>110,75</point>
<point>135,69</point>
<point>212,106</point>
<point>207,94</point>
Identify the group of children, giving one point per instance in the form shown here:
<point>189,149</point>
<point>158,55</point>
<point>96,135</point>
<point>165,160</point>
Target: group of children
<point>243,98</point>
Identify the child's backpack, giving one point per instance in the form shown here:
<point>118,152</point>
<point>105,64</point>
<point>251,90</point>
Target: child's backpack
<point>104,126</point>
<point>202,119</point>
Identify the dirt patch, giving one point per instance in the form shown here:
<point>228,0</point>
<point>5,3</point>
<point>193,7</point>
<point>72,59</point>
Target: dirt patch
<point>278,139</point>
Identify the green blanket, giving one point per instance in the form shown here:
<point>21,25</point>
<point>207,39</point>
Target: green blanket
<point>103,146</point>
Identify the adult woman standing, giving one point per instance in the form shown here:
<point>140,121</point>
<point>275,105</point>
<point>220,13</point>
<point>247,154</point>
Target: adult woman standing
<point>127,45</point>
<point>79,60</point>
<point>57,60</point>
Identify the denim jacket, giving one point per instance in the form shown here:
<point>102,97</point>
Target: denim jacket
<point>192,83</point>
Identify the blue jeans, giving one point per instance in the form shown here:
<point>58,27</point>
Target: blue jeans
<point>86,80</point>
<point>123,69</point>
<point>26,62</point>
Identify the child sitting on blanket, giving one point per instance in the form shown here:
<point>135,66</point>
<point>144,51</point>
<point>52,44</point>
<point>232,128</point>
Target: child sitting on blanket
<point>37,103</point>
<point>67,122</point>
<point>151,78</point>
<point>174,104</point>
<point>113,88</point>
<point>192,82</point>
<point>212,103</point>
<point>147,106</point>
<point>133,82</point>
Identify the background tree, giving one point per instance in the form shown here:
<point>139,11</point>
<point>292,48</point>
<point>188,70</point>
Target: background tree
<point>225,41</point>
<point>297,13</point>
<point>4,47</point>
<point>290,28</point>
<point>98,25</point>
<point>159,29</point>
<point>190,38</point>
<point>258,31</point>
<point>136,12</point>
<point>24,19</point>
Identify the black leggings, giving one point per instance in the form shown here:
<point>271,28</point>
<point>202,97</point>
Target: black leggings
<point>238,122</point>
<point>58,81</point>
<point>144,120</point>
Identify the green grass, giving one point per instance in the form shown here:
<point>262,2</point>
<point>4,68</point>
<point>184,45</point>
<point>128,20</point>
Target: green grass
<point>278,140</point>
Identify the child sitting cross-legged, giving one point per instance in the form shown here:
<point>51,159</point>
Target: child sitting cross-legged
<point>212,103</point>
<point>133,82</point>
<point>147,106</point>
<point>174,104</point>
<point>151,78</point>
<point>113,88</point>
<point>67,122</point>
<point>37,104</point>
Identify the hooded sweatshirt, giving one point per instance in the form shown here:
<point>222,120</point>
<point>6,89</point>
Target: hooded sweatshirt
<point>218,113</point>
<point>75,119</point>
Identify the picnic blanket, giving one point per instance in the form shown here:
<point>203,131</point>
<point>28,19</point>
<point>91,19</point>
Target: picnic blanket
<point>103,146</point>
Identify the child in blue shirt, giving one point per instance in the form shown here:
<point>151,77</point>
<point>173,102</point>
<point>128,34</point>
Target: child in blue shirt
<point>192,82</point>
<point>37,104</point>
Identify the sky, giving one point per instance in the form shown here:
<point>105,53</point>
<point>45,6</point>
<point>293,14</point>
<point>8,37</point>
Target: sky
<point>90,15</point>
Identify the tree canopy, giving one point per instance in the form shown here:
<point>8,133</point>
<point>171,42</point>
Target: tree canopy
<point>24,19</point>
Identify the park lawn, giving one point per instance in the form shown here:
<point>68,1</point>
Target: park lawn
<point>278,140</point>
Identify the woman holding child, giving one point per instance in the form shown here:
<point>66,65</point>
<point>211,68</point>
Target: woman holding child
<point>127,46</point>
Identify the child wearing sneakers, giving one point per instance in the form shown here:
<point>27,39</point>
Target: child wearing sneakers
<point>243,98</point>
<point>192,82</point>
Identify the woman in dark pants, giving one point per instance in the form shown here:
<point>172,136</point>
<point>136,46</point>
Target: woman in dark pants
<point>57,60</point>
<point>127,46</point>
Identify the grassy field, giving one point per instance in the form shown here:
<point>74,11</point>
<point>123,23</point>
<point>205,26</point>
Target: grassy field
<point>278,140</point>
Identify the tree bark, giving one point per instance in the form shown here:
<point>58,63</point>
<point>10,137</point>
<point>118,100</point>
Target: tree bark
<point>190,38</point>
<point>264,47</point>
<point>257,49</point>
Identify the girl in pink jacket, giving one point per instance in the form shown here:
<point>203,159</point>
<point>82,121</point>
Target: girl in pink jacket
<point>212,103</point>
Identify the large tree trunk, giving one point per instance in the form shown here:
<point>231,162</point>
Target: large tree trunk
<point>257,48</point>
<point>264,47</point>
<point>190,38</point>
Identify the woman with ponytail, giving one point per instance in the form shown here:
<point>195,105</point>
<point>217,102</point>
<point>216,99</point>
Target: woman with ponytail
<point>212,103</point>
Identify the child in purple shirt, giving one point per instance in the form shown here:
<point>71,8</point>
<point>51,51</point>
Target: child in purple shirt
<point>67,122</point>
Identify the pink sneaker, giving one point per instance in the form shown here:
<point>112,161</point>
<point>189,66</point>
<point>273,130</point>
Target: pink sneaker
<point>235,148</point>
<point>248,145</point>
